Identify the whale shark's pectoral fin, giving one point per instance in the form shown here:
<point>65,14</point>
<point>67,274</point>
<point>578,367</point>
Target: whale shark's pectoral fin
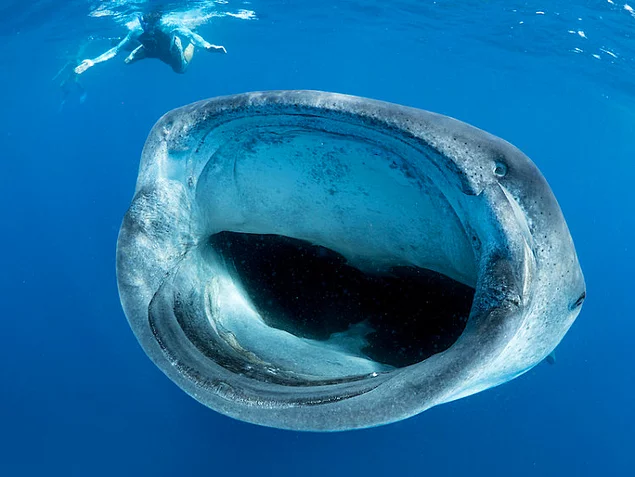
<point>551,357</point>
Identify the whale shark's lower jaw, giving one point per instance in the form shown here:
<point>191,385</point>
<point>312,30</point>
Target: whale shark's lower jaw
<point>316,261</point>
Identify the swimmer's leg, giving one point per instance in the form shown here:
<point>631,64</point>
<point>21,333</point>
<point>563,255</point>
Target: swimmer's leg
<point>180,58</point>
<point>188,53</point>
<point>139,53</point>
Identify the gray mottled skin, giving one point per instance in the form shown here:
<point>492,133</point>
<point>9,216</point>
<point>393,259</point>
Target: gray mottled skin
<point>501,227</point>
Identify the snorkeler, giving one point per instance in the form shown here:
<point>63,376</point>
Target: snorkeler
<point>154,38</point>
<point>68,81</point>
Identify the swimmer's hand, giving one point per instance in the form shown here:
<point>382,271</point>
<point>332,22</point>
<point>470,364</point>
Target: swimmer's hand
<point>83,66</point>
<point>215,48</point>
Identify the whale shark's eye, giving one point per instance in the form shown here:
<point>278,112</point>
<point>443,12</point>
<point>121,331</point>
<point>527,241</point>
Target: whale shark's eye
<point>578,302</point>
<point>316,261</point>
<point>500,169</point>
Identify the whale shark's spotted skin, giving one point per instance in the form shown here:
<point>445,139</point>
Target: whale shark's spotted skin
<point>380,196</point>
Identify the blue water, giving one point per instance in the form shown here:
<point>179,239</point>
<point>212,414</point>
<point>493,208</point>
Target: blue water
<point>78,397</point>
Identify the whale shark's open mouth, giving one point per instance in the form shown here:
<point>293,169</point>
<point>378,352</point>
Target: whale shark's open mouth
<point>329,256</point>
<point>352,322</point>
<point>317,261</point>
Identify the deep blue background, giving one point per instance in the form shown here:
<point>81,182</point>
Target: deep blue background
<point>79,397</point>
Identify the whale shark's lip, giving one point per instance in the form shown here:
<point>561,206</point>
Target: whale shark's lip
<point>378,184</point>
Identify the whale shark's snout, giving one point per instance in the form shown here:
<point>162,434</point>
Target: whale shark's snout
<point>317,261</point>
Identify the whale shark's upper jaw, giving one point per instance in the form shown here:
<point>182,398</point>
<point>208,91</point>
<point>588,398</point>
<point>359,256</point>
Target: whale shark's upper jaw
<point>316,261</point>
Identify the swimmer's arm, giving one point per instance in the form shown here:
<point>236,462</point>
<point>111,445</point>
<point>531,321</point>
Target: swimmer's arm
<point>84,65</point>
<point>199,41</point>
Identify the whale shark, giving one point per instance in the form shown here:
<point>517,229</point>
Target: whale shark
<point>316,261</point>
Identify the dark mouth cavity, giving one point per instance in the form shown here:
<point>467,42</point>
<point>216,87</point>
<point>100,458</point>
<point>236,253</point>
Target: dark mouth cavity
<point>406,314</point>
